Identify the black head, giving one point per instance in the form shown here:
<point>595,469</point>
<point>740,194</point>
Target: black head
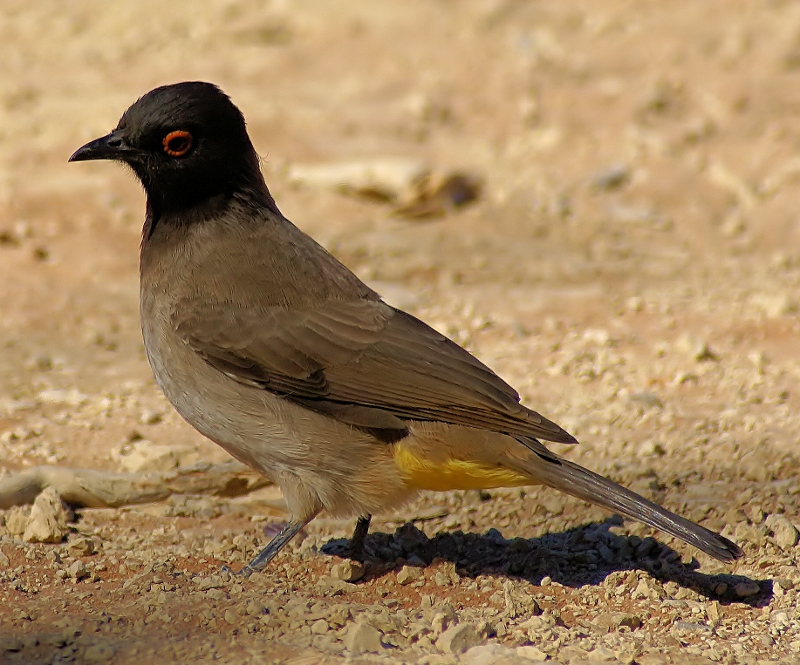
<point>186,142</point>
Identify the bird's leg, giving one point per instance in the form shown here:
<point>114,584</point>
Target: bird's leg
<point>274,546</point>
<point>357,541</point>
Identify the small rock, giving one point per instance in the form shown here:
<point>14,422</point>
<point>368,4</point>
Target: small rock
<point>733,225</point>
<point>754,513</point>
<point>339,615</point>
<point>601,655</point>
<point>612,177</point>
<point>634,304</point>
<point>783,531</point>
<point>48,519</point>
<point>647,398</point>
<point>746,589</point>
<point>81,546</point>
<point>444,619</point>
<point>517,601</point>
<point>440,579</point>
<point>775,305</point>
<point>255,608</point>
<point>348,571</point>
<point>98,653</point>
<point>71,397</point>
<point>644,549</point>
<point>320,627</point>
<point>459,638</point>
<point>684,377</point>
<point>534,626</point>
<point>144,455</point>
<point>759,360</point>
<point>328,586</point>
<point>17,519</point>
<point>780,619</point>
<point>614,620</point>
<point>148,417</point>
<point>531,653</point>
<point>490,654</point>
<point>699,350</point>
<point>77,570</point>
<point>571,653</point>
<point>712,611</point>
<point>446,575</point>
<point>689,626</point>
<point>408,574</point>
<point>362,638</point>
<point>637,214</point>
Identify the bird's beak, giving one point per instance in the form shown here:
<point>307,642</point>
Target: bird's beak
<point>111,146</point>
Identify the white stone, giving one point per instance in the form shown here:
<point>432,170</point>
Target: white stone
<point>362,637</point>
<point>48,519</point>
<point>459,638</point>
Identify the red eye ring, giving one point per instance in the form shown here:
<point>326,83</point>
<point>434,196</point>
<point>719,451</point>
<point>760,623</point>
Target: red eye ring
<point>177,143</point>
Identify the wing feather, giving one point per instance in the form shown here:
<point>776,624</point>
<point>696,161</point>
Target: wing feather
<point>360,361</point>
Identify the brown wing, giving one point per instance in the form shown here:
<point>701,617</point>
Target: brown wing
<point>362,362</point>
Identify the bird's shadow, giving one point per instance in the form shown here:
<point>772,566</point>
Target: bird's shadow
<point>573,558</point>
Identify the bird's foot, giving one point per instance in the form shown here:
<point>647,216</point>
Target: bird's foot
<point>356,550</point>
<point>244,572</point>
<point>270,551</point>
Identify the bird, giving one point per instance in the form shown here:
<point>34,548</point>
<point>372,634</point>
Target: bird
<point>269,346</point>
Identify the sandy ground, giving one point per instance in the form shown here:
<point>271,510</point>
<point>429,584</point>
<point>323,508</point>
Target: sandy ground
<point>632,267</point>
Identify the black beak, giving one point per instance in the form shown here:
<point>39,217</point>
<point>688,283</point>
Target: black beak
<point>111,146</point>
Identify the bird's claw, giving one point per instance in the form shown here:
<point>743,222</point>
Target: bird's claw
<point>244,573</point>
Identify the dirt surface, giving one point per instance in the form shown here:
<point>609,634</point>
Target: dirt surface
<point>631,267</point>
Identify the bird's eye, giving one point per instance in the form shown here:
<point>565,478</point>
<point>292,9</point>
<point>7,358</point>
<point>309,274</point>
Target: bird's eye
<point>177,143</point>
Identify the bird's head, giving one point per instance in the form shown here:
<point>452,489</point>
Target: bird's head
<point>186,142</point>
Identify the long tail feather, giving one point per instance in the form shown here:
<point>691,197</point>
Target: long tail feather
<point>573,479</point>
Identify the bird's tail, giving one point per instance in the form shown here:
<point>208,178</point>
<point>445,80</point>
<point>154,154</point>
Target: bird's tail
<point>573,479</point>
